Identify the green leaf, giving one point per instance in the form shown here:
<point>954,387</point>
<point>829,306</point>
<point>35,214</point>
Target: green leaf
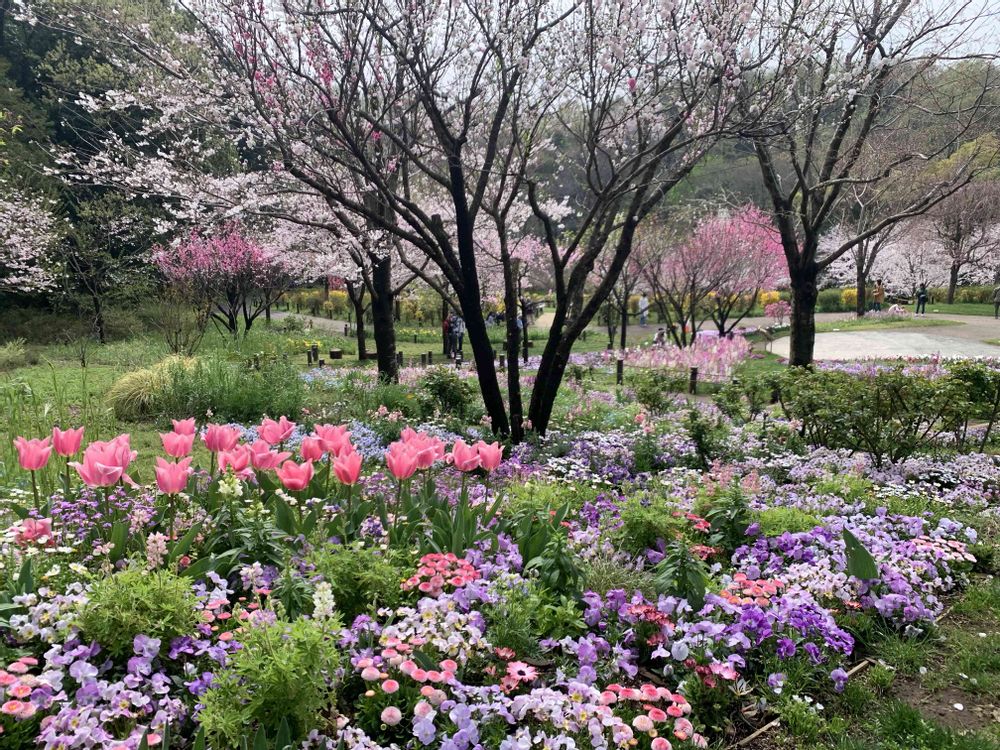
<point>18,510</point>
<point>283,741</point>
<point>119,538</point>
<point>860,562</point>
<point>26,579</point>
<point>144,743</point>
<point>199,740</point>
<point>284,519</point>
<point>184,544</point>
<point>260,740</point>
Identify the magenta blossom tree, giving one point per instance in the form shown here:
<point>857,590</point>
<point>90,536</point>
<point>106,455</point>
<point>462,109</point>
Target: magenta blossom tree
<point>226,272</point>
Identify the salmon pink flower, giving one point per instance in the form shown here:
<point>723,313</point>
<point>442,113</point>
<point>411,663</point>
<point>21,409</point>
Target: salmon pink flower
<point>311,448</point>
<point>262,457</point>
<point>105,461</point>
<point>347,467</point>
<point>33,454</point>
<point>238,459</point>
<point>401,460</point>
<point>464,457</point>
<point>336,439</point>
<point>184,426</point>
<point>172,477</point>
<point>220,437</point>
<point>490,455</point>
<point>67,442</point>
<point>37,530</point>
<point>295,476</point>
<point>177,444</point>
<point>276,432</point>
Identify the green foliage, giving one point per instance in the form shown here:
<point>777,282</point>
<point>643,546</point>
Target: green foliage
<point>537,496</point>
<point>655,389</point>
<point>443,391</point>
<point>860,562</point>
<point>776,521</point>
<point>284,672</point>
<point>555,566</point>
<point>890,414</point>
<point>137,601</point>
<point>603,574</point>
<point>361,578</point>
<point>12,354</point>
<point>645,520</point>
<point>729,514</point>
<point>139,394</point>
<point>683,575</point>
<point>706,434</point>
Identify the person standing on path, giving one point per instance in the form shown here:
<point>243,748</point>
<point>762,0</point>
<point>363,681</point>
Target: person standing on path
<point>922,299</point>
<point>878,296</point>
<point>446,334</point>
<point>458,335</point>
<point>643,310</point>
<point>996,303</point>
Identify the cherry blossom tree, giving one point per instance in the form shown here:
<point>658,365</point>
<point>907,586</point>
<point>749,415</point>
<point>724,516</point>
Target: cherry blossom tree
<point>967,227</point>
<point>871,70</point>
<point>29,233</point>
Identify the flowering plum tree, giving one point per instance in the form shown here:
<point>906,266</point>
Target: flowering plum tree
<point>227,272</point>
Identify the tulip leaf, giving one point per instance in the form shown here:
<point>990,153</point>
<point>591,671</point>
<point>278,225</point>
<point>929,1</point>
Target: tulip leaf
<point>260,740</point>
<point>119,540</point>
<point>860,562</point>
<point>283,741</point>
<point>144,743</point>
<point>199,741</point>
<point>184,544</point>
<point>18,510</point>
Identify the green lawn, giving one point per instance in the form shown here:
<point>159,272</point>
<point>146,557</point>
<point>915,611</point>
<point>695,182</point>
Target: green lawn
<point>862,324</point>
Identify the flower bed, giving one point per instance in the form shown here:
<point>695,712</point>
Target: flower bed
<point>643,585</point>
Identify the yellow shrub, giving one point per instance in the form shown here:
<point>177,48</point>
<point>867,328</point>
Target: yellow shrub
<point>849,297</point>
<point>766,298</point>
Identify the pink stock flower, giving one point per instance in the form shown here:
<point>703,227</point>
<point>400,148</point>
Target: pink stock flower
<point>34,530</point>
<point>295,476</point>
<point>335,438</point>
<point>105,461</point>
<point>237,459</point>
<point>490,455</point>
<point>67,442</point>
<point>347,467</point>
<point>177,444</point>
<point>401,460</point>
<point>33,454</point>
<point>262,457</point>
<point>465,457</point>
<point>220,437</point>
<point>275,432</point>
<point>184,426</point>
<point>311,448</point>
<point>172,477</point>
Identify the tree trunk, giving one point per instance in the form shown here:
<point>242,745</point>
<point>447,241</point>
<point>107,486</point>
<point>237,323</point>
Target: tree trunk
<point>444,334</point>
<point>623,336</point>
<point>861,285</point>
<point>953,282</point>
<point>803,316</point>
<point>515,404</point>
<point>99,324</point>
<point>357,296</point>
<point>383,321</point>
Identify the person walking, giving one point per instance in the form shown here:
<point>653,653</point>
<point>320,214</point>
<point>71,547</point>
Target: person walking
<point>446,334</point>
<point>996,303</point>
<point>922,300</point>
<point>878,296</point>
<point>458,335</point>
<point>643,310</point>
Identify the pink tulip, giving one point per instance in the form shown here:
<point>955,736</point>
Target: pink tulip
<point>490,455</point>
<point>401,460</point>
<point>33,454</point>
<point>465,457</point>
<point>237,459</point>
<point>311,448</point>
<point>184,426</point>
<point>177,444</point>
<point>220,437</point>
<point>67,442</point>
<point>105,461</point>
<point>34,530</point>
<point>275,432</point>
<point>347,467</point>
<point>265,459</point>
<point>336,438</point>
<point>296,476</point>
<point>172,477</point>
<point>427,449</point>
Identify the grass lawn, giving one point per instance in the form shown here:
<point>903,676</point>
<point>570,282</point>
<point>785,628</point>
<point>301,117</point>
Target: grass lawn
<point>863,324</point>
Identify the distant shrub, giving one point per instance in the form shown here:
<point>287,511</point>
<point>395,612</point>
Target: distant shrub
<point>138,394</point>
<point>655,389</point>
<point>12,354</point>
<point>830,300</point>
<point>444,391</point>
<point>768,298</point>
<point>849,298</point>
